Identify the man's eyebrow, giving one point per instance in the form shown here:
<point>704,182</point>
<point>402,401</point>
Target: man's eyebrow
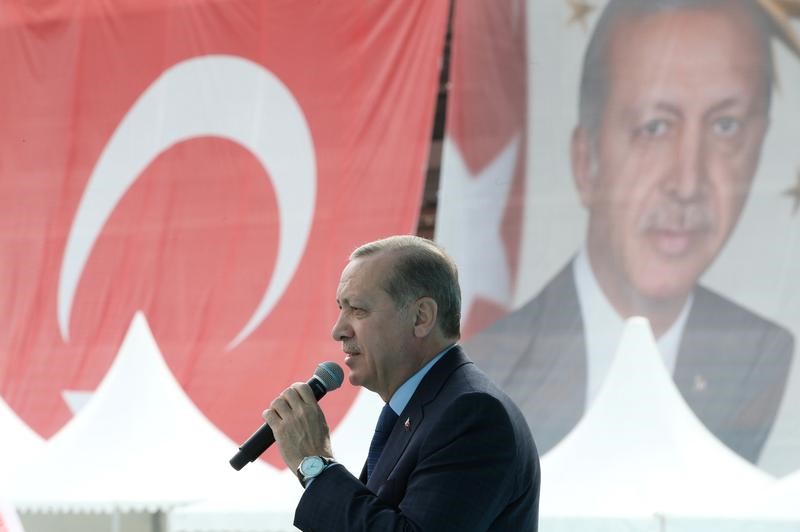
<point>635,115</point>
<point>724,104</point>
<point>669,108</point>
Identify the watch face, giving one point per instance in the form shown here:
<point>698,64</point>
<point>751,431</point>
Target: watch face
<point>311,466</point>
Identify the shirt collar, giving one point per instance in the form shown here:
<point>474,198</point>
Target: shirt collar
<point>404,393</point>
<point>603,327</point>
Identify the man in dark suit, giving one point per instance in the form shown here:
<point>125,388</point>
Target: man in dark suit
<point>674,106</point>
<point>458,455</point>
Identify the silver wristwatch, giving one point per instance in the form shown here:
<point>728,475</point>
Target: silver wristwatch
<point>311,466</point>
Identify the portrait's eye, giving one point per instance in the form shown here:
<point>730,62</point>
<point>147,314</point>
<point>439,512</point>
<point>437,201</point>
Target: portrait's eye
<point>653,128</point>
<point>726,126</point>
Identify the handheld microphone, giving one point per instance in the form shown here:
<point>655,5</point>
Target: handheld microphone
<point>327,377</point>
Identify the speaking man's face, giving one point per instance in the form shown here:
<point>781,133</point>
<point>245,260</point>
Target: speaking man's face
<point>668,170</point>
<point>376,334</point>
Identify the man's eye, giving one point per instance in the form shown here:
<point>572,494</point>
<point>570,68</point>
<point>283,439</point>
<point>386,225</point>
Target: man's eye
<point>653,128</point>
<point>727,126</point>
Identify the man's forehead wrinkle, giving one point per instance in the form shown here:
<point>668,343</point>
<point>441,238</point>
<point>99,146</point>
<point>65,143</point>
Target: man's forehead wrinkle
<point>341,292</point>
<point>634,112</point>
<point>345,293</point>
<point>668,107</point>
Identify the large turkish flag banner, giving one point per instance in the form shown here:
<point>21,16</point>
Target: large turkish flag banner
<point>211,163</point>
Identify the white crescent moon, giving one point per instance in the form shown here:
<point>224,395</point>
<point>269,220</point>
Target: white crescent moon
<point>218,96</point>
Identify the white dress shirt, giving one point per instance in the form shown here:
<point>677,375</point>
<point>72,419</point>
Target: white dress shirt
<point>603,326</point>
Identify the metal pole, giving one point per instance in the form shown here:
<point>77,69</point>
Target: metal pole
<point>158,521</point>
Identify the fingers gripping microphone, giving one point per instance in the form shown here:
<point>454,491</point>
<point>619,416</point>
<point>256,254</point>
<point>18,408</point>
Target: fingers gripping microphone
<point>327,377</point>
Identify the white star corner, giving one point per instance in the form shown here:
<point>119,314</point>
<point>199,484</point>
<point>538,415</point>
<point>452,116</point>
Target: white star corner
<point>468,223</point>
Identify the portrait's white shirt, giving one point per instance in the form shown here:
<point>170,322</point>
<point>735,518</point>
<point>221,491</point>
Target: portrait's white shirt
<point>602,327</point>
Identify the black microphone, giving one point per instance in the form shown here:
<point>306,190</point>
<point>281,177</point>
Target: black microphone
<point>327,377</point>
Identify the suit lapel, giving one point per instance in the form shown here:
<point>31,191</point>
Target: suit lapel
<point>548,380</point>
<point>693,356</point>
<point>413,415</point>
<point>710,342</point>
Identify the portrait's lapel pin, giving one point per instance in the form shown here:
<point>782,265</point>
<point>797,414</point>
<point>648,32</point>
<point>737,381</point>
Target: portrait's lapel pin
<point>700,383</point>
<point>407,424</point>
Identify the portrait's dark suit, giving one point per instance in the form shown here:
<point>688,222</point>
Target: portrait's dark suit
<point>460,457</point>
<point>731,368</point>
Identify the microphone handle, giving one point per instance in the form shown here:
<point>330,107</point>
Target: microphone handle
<point>263,437</point>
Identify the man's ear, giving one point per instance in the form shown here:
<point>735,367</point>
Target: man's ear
<point>426,311</point>
<point>583,164</point>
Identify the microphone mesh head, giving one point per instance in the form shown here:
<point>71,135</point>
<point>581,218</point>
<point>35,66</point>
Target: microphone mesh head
<point>330,374</point>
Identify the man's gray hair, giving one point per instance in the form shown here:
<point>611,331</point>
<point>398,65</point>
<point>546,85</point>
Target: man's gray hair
<point>595,76</point>
<point>422,269</point>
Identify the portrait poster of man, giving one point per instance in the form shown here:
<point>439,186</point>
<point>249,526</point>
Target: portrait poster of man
<point>662,179</point>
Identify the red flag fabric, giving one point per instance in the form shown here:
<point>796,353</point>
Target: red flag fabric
<point>481,195</point>
<point>211,163</point>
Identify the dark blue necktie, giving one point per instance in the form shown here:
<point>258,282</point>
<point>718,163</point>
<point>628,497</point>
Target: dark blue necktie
<point>386,421</point>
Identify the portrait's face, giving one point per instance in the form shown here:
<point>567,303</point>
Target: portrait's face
<point>376,335</point>
<point>667,173</point>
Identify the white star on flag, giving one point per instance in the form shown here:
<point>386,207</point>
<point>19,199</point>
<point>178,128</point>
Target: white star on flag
<point>468,224</point>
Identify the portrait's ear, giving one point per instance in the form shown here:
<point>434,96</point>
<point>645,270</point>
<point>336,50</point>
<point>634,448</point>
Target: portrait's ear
<point>425,318</point>
<point>583,165</point>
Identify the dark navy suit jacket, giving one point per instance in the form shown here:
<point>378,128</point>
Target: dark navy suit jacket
<point>731,368</point>
<point>460,458</point>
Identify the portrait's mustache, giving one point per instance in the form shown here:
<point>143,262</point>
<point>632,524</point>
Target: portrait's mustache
<point>670,215</point>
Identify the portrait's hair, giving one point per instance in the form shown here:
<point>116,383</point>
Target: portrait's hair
<point>421,269</point>
<point>596,72</point>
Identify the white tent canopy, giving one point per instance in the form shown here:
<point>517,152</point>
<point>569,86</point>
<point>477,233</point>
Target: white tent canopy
<point>639,459</point>
<point>640,451</point>
<point>20,444</point>
<point>139,445</point>
<point>782,501</point>
<point>250,513</point>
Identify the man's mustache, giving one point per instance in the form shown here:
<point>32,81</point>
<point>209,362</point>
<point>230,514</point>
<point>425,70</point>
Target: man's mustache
<point>671,215</point>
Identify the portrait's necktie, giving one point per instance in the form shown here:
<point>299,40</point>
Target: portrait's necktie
<point>386,421</point>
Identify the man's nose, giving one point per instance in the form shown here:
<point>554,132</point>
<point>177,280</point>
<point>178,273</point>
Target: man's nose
<point>690,172</point>
<point>341,328</point>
